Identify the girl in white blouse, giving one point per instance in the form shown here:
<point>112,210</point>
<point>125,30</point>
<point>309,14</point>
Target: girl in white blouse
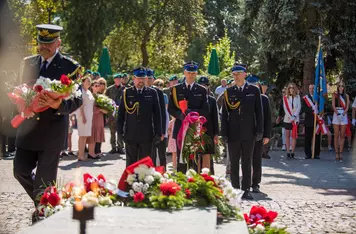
<point>291,106</point>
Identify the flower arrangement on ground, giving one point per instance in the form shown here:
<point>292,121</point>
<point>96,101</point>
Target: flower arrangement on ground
<point>259,220</point>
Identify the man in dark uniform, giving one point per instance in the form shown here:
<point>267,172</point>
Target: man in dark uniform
<point>115,92</point>
<point>267,127</point>
<point>42,136</point>
<point>197,98</point>
<point>139,118</point>
<point>241,125</point>
<point>160,148</point>
<point>213,124</point>
<point>309,125</point>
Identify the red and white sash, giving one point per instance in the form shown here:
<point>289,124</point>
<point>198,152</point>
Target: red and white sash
<point>321,127</point>
<point>342,101</point>
<point>294,124</point>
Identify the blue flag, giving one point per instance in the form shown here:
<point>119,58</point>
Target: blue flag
<point>320,88</point>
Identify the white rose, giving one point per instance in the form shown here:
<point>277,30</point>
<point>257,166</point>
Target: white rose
<point>157,175</point>
<point>259,228</point>
<point>130,179</point>
<point>132,193</point>
<point>190,173</point>
<point>151,171</point>
<point>149,179</point>
<point>205,171</point>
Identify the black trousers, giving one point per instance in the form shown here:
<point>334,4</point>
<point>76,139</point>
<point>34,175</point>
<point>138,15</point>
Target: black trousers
<point>10,142</point>
<point>137,151</point>
<point>242,149</point>
<point>47,164</point>
<point>309,141</point>
<point>160,151</point>
<point>257,163</point>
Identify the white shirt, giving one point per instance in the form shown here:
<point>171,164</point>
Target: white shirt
<point>191,85</point>
<point>219,90</point>
<point>49,60</point>
<point>241,88</point>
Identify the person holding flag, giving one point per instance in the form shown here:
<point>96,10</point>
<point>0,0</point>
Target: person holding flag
<point>340,103</point>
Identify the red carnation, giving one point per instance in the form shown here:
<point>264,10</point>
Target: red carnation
<point>38,88</point>
<point>208,178</point>
<point>44,199</point>
<point>169,188</point>
<point>54,199</point>
<point>65,80</point>
<point>270,216</point>
<point>188,193</point>
<point>138,197</point>
<point>191,180</point>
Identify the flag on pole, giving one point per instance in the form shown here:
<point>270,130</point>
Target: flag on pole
<point>320,90</point>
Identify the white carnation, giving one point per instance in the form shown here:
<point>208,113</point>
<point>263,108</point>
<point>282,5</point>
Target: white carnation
<point>259,228</point>
<point>149,179</point>
<point>145,188</point>
<point>205,171</point>
<point>136,187</point>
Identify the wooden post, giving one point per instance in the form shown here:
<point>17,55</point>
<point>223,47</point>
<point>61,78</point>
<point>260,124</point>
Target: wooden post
<point>316,102</point>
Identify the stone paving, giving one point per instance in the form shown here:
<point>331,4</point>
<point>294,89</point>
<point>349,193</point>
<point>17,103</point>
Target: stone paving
<point>311,196</point>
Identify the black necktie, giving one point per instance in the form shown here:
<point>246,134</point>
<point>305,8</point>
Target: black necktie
<point>189,87</point>
<point>44,67</point>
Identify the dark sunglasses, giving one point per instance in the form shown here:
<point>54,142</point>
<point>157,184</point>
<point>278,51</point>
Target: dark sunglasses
<point>96,86</point>
<point>102,83</point>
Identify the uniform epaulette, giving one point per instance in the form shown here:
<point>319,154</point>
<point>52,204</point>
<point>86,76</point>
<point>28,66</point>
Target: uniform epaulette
<point>71,60</point>
<point>31,57</point>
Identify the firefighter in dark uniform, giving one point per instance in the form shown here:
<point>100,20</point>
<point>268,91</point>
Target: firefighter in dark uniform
<point>42,136</point>
<point>115,92</point>
<point>160,148</point>
<point>267,128</point>
<point>197,98</point>
<point>139,118</point>
<point>241,126</point>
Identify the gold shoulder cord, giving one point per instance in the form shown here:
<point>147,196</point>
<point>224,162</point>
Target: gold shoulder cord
<point>130,110</point>
<point>231,106</point>
<point>174,93</point>
<point>75,72</point>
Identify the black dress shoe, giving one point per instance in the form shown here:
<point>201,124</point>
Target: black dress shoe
<point>71,153</point>
<point>8,155</point>
<point>247,195</point>
<point>288,156</point>
<point>256,189</point>
<point>112,151</point>
<point>307,157</point>
<point>292,155</point>
<point>317,157</point>
<point>64,154</point>
<point>266,156</point>
<point>121,151</point>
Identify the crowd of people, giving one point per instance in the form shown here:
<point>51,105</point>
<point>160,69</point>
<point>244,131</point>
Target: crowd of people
<point>240,113</point>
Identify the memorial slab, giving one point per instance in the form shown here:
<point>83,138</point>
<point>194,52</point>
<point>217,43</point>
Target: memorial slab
<point>129,220</point>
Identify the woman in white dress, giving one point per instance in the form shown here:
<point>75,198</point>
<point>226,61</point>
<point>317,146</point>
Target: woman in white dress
<point>85,117</point>
<point>291,106</point>
<point>340,104</point>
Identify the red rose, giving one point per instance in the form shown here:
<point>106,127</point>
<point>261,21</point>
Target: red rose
<point>270,216</point>
<point>188,193</point>
<point>54,199</point>
<point>169,188</point>
<point>44,199</point>
<point>65,80</point>
<point>191,180</point>
<point>247,218</point>
<point>208,178</point>
<point>38,88</point>
<point>139,197</point>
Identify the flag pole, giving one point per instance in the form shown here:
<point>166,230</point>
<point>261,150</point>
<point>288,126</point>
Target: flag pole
<point>315,102</point>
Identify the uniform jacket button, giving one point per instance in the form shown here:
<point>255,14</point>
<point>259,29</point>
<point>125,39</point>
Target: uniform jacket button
<point>38,118</point>
<point>59,114</point>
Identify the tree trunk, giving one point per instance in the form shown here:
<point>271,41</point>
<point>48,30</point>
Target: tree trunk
<point>311,40</point>
<point>144,52</point>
